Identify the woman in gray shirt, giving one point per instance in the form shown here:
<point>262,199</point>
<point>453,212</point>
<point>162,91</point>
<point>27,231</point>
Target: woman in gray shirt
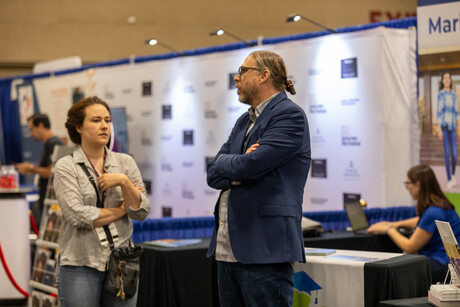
<point>83,247</point>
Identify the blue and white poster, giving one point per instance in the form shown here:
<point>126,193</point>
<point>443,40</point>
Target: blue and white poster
<point>438,25</point>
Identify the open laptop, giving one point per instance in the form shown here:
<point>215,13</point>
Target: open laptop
<point>356,216</point>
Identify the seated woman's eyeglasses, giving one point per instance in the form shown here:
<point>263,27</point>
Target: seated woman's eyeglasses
<point>406,183</point>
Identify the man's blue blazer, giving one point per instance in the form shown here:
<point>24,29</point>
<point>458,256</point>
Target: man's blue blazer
<point>265,211</point>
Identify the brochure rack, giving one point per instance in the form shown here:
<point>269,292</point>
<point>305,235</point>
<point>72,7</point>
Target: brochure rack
<point>43,280</point>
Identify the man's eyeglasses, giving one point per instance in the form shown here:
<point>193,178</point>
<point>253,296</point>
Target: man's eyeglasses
<point>406,183</point>
<point>243,69</point>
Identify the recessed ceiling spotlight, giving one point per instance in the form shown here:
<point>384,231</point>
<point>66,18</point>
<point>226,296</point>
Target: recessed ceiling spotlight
<point>132,20</point>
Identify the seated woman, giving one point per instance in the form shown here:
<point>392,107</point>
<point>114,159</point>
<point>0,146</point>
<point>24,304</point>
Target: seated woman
<point>431,205</point>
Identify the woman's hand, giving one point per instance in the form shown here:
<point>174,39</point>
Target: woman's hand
<point>130,191</point>
<point>122,207</point>
<point>139,188</point>
<point>109,215</point>
<point>380,227</point>
<point>107,181</point>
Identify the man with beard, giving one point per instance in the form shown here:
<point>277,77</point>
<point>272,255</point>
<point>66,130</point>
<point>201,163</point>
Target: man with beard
<point>261,171</point>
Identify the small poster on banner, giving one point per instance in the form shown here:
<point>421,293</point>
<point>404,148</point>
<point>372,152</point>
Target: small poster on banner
<point>188,137</point>
<point>231,81</point>
<point>319,168</point>
<point>147,88</point>
<point>349,68</point>
<point>166,111</point>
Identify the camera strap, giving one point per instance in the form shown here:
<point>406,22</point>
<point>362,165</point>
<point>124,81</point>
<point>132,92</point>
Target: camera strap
<point>99,204</point>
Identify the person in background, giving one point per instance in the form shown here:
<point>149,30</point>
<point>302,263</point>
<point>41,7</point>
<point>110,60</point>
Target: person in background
<point>449,122</point>
<point>83,249</point>
<point>40,130</point>
<point>261,171</point>
<point>432,205</point>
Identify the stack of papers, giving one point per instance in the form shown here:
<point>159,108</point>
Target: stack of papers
<point>319,251</point>
<point>444,295</point>
<point>173,242</point>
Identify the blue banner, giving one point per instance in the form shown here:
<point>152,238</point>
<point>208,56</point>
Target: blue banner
<point>433,2</point>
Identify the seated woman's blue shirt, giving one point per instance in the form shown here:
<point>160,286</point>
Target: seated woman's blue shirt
<point>434,248</point>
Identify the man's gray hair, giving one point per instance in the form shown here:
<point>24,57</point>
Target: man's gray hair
<point>272,62</point>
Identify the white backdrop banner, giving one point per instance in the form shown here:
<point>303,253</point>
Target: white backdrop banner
<point>358,90</point>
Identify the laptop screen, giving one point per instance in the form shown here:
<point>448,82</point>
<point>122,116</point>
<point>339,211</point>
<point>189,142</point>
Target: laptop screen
<point>356,216</point>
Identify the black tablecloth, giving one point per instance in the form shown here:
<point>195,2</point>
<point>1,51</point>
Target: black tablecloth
<point>176,276</point>
<point>348,240</point>
<point>183,276</point>
<point>407,276</point>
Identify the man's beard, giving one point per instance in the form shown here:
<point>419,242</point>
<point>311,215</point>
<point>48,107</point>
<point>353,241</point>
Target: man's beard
<point>247,95</point>
<point>244,99</point>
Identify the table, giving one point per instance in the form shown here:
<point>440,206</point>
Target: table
<point>348,240</point>
<point>360,278</point>
<point>407,276</point>
<point>183,276</point>
<point>177,276</point>
<point>14,239</point>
